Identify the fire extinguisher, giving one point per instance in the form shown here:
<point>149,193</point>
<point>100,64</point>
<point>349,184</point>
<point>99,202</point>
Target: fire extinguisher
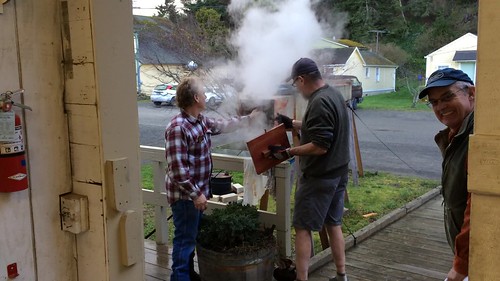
<point>13,173</point>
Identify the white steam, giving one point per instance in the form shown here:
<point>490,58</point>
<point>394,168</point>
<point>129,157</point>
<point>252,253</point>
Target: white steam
<point>270,39</point>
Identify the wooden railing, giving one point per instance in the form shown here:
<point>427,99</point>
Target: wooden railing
<point>155,156</point>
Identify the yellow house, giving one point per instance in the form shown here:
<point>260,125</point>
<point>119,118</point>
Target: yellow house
<point>158,59</point>
<point>460,54</point>
<point>377,73</point>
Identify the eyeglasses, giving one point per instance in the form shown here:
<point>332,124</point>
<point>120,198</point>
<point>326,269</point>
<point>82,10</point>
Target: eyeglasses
<point>445,98</point>
<point>295,81</point>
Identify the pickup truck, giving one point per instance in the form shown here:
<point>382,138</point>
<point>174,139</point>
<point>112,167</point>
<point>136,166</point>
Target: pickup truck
<point>356,90</point>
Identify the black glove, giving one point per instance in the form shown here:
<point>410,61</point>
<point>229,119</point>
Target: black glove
<point>283,119</point>
<point>279,152</point>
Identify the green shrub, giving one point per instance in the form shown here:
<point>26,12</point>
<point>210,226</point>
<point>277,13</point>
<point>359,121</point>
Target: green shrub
<point>235,228</point>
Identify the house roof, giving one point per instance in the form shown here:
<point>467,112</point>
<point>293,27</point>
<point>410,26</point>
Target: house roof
<point>340,56</point>
<point>467,41</point>
<point>154,46</point>
<point>333,56</point>
<point>465,55</point>
<point>351,43</point>
<point>373,59</point>
<point>326,43</point>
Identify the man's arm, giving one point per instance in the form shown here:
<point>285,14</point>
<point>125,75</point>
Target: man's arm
<point>461,260</point>
<point>230,125</point>
<point>307,149</point>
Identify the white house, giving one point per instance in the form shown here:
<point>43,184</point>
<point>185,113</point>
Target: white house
<point>460,54</point>
<point>377,73</point>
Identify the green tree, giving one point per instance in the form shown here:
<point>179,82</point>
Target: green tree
<point>168,10</point>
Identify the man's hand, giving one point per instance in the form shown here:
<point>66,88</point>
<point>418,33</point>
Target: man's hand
<point>255,113</point>
<point>279,152</point>
<point>455,276</point>
<point>200,203</point>
<point>283,119</point>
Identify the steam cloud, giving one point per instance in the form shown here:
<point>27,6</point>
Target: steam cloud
<point>270,39</point>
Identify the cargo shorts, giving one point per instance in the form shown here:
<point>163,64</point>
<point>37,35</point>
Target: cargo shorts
<point>319,201</point>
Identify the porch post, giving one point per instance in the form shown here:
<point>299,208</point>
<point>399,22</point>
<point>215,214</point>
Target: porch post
<point>484,151</point>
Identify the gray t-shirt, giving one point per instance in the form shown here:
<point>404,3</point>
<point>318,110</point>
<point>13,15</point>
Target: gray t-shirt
<point>326,124</point>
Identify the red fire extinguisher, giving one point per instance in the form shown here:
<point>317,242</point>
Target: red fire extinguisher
<point>13,174</point>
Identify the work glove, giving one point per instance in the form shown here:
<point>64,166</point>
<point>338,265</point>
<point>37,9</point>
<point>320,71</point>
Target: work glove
<point>283,119</point>
<point>279,152</point>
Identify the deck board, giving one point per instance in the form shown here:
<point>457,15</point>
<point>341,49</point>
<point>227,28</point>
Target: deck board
<point>413,248</point>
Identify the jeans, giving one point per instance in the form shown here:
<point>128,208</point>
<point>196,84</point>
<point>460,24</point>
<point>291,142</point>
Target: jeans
<point>186,222</point>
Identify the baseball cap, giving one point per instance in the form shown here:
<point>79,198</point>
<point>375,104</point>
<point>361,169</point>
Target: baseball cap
<point>303,66</point>
<point>444,77</point>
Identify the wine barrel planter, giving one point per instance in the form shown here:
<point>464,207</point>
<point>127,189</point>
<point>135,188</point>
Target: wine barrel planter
<point>248,266</point>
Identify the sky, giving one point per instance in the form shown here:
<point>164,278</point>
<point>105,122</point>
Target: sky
<point>146,7</point>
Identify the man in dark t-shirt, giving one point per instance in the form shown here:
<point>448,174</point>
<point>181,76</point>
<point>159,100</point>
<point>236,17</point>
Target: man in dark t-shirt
<point>324,160</point>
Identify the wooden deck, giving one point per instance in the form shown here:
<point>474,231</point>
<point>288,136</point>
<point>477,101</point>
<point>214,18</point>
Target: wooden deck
<point>413,248</point>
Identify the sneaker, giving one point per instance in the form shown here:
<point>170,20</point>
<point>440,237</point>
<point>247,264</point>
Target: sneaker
<point>194,276</point>
<point>338,278</point>
<point>285,274</point>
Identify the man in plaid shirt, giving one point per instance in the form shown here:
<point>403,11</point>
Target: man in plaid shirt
<point>188,148</point>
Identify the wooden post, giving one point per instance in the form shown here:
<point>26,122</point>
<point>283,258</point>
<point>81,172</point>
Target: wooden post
<point>264,201</point>
<point>359,162</point>
<point>161,224</point>
<point>352,152</point>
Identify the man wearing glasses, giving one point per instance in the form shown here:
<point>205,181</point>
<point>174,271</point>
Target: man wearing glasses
<point>451,94</point>
<point>324,160</point>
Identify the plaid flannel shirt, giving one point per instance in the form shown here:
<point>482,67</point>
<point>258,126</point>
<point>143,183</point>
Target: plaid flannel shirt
<point>188,153</point>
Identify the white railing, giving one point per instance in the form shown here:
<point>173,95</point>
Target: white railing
<point>157,197</point>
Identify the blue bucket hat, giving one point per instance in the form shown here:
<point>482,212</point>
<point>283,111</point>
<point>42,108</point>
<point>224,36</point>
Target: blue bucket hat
<point>444,77</point>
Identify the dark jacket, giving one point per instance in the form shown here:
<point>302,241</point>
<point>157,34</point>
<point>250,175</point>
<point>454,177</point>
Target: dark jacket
<point>454,182</point>
<point>326,124</point>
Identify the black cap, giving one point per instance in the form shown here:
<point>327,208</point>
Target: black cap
<point>444,77</point>
<point>303,66</point>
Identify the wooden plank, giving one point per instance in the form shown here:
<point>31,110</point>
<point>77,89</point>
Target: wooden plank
<point>258,148</point>
<point>91,247</point>
<point>40,49</point>
<point>359,161</point>
<point>396,269</point>
<point>82,121</point>
<point>161,224</point>
<point>157,272</point>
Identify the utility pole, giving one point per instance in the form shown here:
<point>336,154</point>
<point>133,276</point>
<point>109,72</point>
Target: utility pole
<point>377,32</point>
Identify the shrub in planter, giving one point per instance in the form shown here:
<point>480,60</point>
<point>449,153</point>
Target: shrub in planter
<point>232,245</point>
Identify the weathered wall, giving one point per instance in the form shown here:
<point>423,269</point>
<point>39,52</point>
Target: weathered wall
<point>484,153</point>
<point>103,125</point>
<point>75,61</point>
<point>30,219</point>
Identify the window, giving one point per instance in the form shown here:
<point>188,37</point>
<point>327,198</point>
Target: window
<point>378,74</point>
<point>367,72</point>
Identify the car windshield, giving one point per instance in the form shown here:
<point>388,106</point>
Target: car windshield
<point>355,82</point>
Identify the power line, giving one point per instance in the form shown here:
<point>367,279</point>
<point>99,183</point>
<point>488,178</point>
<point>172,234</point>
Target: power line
<point>377,32</point>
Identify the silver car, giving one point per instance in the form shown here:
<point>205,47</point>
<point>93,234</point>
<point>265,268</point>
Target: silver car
<point>164,93</point>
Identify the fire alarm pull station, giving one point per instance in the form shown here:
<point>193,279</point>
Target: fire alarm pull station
<point>13,175</point>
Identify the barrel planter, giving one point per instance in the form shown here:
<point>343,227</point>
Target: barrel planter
<point>247,266</point>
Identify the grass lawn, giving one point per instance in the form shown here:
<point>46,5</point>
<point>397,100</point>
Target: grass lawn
<point>401,100</point>
<point>377,193</point>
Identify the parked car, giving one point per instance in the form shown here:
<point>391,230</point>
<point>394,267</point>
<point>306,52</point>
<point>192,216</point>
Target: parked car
<point>214,96</point>
<point>164,93</point>
<point>356,90</point>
